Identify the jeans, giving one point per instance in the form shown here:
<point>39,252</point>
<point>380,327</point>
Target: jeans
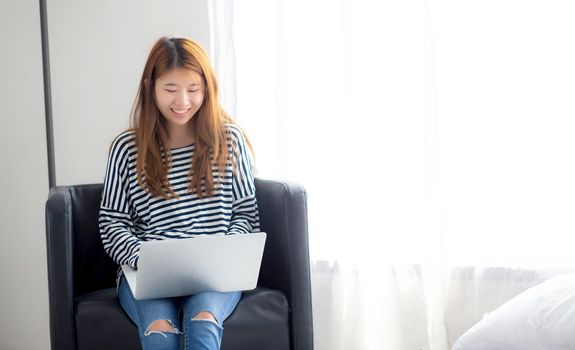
<point>197,333</point>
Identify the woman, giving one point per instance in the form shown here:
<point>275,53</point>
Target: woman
<point>184,168</point>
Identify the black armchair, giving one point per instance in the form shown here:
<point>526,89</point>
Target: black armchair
<point>84,308</point>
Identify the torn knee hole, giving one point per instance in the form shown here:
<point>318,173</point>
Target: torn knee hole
<point>205,316</point>
<point>161,327</point>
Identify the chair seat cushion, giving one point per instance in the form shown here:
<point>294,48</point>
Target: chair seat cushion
<point>260,321</point>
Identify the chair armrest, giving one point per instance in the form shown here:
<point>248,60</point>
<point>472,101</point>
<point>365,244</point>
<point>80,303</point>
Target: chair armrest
<point>59,242</point>
<point>286,265</point>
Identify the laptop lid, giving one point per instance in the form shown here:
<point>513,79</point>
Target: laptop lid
<point>179,267</point>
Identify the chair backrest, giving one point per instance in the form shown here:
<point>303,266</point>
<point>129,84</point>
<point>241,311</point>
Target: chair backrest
<point>283,215</point>
<point>77,261</point>
<point>93,268</point>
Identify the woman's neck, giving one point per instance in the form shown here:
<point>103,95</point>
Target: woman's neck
<point>180,136</point>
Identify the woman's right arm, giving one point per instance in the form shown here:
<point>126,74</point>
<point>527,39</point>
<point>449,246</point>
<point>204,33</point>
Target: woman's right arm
<point>116,211</point>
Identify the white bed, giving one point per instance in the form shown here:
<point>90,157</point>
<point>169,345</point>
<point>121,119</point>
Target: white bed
<point>541,317</point>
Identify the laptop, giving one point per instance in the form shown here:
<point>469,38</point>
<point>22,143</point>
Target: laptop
<point>180,267</point>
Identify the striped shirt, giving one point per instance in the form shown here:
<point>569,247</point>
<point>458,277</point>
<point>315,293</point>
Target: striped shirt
<point>129,214</point>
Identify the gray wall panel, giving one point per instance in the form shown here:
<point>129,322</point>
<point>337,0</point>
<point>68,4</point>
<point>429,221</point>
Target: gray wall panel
<point>97,53</point>
<point>24,179</point>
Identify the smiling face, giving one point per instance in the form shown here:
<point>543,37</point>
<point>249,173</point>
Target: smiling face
<point>179,95</point>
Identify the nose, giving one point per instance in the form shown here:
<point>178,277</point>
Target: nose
<point>182,99</point>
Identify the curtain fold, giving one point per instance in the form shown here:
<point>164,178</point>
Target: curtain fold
<point>222,53</point>
<point>435,141</point>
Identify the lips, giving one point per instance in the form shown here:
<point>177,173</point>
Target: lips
<point>180,111</point>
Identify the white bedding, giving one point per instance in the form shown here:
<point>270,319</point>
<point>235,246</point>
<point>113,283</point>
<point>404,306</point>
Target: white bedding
<point>542,317</point>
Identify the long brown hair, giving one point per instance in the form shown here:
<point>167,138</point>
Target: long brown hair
<point>210,133</point>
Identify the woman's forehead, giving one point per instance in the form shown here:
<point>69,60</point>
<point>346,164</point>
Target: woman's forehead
<point>181,76</point>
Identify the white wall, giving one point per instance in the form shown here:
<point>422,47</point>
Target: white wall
<point>24,179</point>
<point>97,52</point>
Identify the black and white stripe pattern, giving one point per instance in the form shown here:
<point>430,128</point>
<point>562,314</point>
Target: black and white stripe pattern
<point>129,214</point>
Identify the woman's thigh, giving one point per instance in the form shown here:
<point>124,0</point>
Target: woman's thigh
<point>144,312</point>
<point>219,304</point>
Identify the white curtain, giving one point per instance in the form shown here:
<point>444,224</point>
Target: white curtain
<point>435,139</point>
<point>221,51</point>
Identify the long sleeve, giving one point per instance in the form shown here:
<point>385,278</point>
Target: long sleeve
<point>245,216</point>
<point>116,219</point>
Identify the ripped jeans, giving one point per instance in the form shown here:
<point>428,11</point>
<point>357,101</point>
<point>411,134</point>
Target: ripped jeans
<point>197,333</point>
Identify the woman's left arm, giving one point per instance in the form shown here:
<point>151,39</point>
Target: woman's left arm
<point>245,216</point>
